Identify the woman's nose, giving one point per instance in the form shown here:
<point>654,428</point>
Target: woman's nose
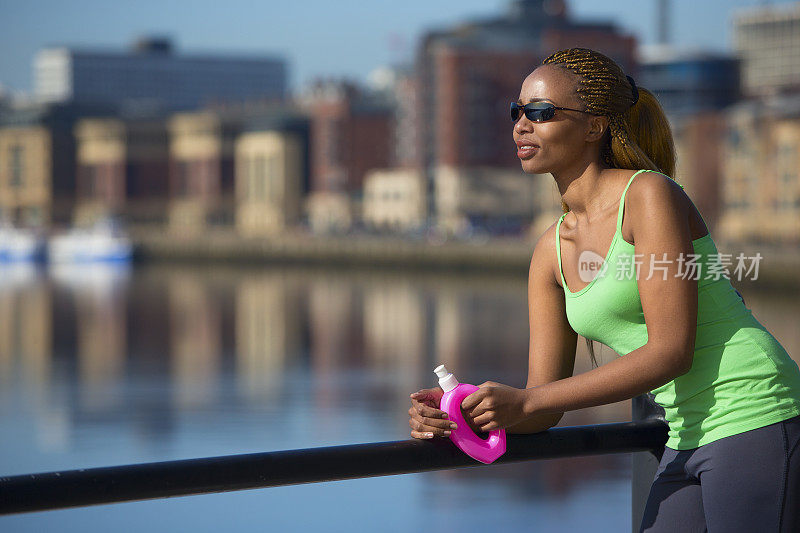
<point>523,124</point>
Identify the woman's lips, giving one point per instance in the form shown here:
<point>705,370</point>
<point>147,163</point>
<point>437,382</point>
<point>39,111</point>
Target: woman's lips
<point>527,151</point>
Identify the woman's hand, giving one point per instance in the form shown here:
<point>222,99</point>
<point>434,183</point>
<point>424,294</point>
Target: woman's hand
<point>426,419</point>
<point>495,406</point>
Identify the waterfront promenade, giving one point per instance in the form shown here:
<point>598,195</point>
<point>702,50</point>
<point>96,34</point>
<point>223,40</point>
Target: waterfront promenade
<point>778,266</point>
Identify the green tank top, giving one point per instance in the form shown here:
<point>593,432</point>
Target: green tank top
<point>741,377</point>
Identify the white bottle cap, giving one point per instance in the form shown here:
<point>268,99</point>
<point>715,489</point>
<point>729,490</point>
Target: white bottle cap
<point>447,381</point>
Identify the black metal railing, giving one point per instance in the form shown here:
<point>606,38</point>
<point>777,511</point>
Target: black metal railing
<point>92,486</point>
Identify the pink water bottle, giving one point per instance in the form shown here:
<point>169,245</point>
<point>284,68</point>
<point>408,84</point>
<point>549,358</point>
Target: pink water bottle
<point>485,451</point>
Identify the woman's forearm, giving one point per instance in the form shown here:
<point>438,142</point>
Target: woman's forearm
<point>535,423</point>
<point>625,377</point>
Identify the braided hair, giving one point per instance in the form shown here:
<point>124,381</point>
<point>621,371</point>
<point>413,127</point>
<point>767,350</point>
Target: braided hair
<point>639,135</point>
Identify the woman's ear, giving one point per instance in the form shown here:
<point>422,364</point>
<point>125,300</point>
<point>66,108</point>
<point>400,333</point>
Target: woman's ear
<point>598,124</point>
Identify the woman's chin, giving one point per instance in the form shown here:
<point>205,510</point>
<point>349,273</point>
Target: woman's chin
<point>531,167</point>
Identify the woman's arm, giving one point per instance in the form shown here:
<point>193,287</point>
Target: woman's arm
<point>659,220</point>
<point>551,351</point>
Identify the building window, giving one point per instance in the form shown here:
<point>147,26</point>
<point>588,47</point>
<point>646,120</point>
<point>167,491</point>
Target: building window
<point>16,166</point>
<point>91,181</point>
<point>259,177</point>
<point>734,139</point>
<point>242,173</point>
<point>181,179</point>
<point>273,180</point>
<point>87,181</point>
<point>332,131</point>
<point>787,177</point>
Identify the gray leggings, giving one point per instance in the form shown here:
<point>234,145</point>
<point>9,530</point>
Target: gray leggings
<point>745,482</point>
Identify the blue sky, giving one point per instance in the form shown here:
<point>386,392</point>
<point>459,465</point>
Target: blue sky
<point>317,37</point>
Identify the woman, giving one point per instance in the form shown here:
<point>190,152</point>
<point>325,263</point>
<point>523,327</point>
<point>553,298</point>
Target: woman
<point>730,391</point>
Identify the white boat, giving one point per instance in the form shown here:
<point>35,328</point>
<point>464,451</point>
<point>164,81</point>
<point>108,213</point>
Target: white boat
<point>20,245</point>
<point>103,242</point>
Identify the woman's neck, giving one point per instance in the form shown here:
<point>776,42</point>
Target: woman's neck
<point>583,189</point>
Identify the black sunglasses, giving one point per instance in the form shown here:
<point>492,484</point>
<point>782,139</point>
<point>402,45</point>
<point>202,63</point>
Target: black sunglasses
<point>538,111</point>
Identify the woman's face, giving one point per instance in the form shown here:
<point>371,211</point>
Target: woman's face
<point>561,141</point>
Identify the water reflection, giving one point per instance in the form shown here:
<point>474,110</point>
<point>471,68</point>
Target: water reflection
<point>268,332</point>
<point>195,340</point>
<point>25,325</point>
<point>97,294</point>
<point>111,366</point>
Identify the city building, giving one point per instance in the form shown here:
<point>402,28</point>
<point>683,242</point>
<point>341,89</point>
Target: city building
<point>37,163</point>
<point>547,208</point>
<point>122,170</point>
<point>688,81</point>
<point>201,169</point>
<point>394,199</point>
<point>399,86</point>
<point>767,39</point>
<point>694,87</point>
<point>500,200</point>
<point>5,99</point>
<point>151,75</point>
<point>698,139</point>
<point>332,211</point>
<point>271,172</point>
<point>351,134</point>
<point>761,172</point>
<point>468,74</point>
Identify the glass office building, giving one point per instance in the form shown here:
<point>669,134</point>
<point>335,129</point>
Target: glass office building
<point>151,75</point>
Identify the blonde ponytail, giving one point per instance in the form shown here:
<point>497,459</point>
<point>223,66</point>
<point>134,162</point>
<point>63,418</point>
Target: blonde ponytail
<point>639,135</point>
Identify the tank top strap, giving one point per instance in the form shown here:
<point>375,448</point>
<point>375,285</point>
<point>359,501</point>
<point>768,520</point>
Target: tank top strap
<point>622,200</point>
<point>558,250</point>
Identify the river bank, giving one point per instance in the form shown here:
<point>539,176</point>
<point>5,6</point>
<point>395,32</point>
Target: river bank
<point>778,266</point>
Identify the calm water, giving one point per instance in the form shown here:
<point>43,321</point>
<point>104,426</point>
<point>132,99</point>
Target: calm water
<point>104,366</point>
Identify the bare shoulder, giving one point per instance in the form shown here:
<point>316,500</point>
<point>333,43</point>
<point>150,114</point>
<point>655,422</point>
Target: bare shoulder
<point>543,260</point>
<point>655,195</point>
<point>652,189</point>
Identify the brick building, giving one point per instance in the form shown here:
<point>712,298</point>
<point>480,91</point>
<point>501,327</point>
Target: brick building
<point>201,169</point>
<point>766,39</point>
<point>350,134</point>
<point>761,174</point>
<point>272,175</point>
<point>468,74</point>
<point>122,169</point>
<point>37,151</point>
